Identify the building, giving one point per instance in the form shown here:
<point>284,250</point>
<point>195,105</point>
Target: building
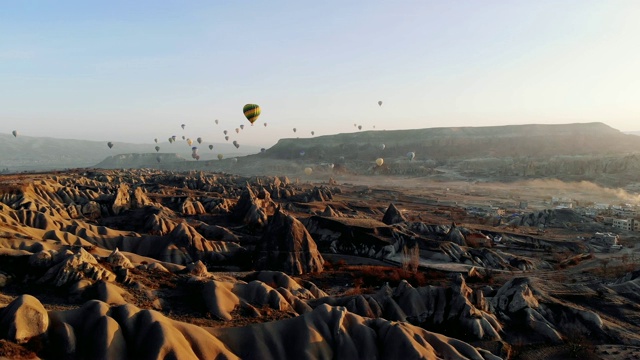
<point>623,224</point>
<point>608,239</point>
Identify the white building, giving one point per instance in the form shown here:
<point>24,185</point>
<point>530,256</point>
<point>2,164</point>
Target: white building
<point>623,224</point>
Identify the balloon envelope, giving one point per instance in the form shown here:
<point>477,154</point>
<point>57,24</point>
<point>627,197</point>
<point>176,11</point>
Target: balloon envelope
<point>189,141</point>
<point>156,140</point>
<point>157,148</point>
<point>216,121</point>
<point>199,140</point>
<point>241,127</point>
<point>210,147</point>
<point>382,146</point>
<point>220,156</point>
<point>411,155</point>
<point>380,103</point>
<point>237,131</point>
<point>294,130</point>
<point>158,159</point>
<point>110,144</point>
<point>313,133</point>
<point>225,132</point>
<point>183,126</point>
<point>251,112</point>
<point>15,133</point>
<point>379,161</point>
<point>359,127</point>
<point>226,138</point>
<point>308,171</point>
<point>265,124</point>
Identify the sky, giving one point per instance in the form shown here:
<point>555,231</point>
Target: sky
<point>136,70</point>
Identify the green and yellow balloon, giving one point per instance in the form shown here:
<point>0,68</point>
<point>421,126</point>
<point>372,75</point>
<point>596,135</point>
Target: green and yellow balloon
<point>252,112</point>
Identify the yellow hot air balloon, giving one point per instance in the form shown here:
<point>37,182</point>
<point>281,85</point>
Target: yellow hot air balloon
<point>379,161</point>
<point>252,112</point>
<point>220,156</point>
<point>189,141</point>
<point>308,171</point>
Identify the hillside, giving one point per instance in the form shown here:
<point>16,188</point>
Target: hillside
<point>445,144</point>
<point>41,153</point>
<point>573,152</point>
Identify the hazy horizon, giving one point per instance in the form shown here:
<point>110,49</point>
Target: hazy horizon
<point>145,68</point>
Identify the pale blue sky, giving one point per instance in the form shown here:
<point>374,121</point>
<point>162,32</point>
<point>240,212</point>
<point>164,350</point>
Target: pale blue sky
<point>69,68</point>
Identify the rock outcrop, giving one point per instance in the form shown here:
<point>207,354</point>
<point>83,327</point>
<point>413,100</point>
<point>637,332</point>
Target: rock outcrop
<point>287,246</point>
<point>393,215</point>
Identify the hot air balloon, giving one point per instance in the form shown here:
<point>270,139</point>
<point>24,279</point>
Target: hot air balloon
<point>411,155</point>
<point>189,141</point>
<point>380,103</point>
<point>313,133</point>
<point>235,143</point>
<point>197,157</point>
<point>220,156</point>
<point>359,127</point>
<point>110,144</point>
<point>354,125</point>
<point>226,138</point>
<point>235,160</point>
<point>294,130</point>
<point>379,161</point>
<point>225,132</point>
<point>308,171</point>
<point>265,124</point>
<point>156,140</point>
<point>199,140</point>
<point>241,127</point>
<point>170,140</point>
<point>194,149</point>
<point>210,147</point>
<point>263,150</point>
<point>174,137</point>
<point>158,159</point>
<point>216,121</point>
<point>183,137</point>
<point>183,126</point>
<point>193,155</point>
<point>302,153</point>
<point>237,131</point>
<point>15,133</point>
<point>157,148</point>
<point>251,111</point>
<point>382,146</point>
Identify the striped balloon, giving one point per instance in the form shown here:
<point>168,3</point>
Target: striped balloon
<point>251,111</point>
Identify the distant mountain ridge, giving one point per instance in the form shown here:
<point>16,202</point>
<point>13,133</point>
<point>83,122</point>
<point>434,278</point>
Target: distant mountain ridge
<point>459,143</point>
<point>42,153</point>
